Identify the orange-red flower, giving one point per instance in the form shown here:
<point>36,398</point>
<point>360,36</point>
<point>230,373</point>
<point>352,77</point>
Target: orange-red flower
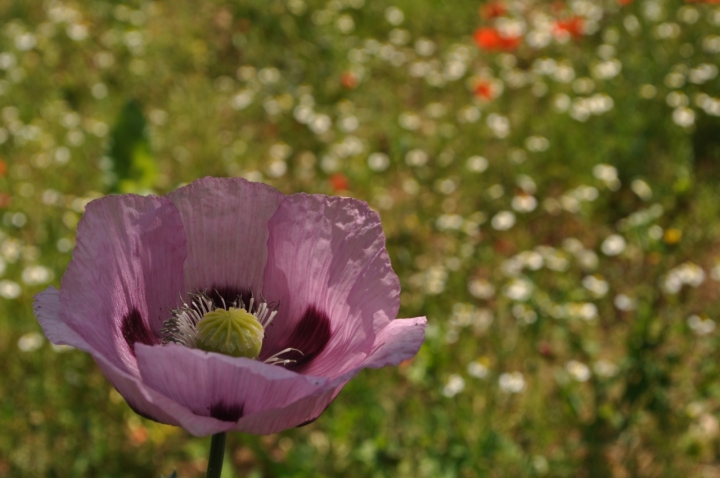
<point>339,182</point>
<point>484,90</point>
<point>574,26</point>
<point>491,10</point>
<point>490,39</point>
<point>349,80</point>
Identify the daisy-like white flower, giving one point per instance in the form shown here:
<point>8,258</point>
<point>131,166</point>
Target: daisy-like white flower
<point>227,305</point>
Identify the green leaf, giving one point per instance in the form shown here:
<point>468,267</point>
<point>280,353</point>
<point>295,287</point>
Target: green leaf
<point>134,166</point>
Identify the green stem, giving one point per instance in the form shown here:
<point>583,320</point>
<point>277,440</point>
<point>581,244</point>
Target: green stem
<point>217,452</point>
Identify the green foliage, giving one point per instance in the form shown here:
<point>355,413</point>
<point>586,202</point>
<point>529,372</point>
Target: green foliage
<point>135,169</point>
<point>561,234</point>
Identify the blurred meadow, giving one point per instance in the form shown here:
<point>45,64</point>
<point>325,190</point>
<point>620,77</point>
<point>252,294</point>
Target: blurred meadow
<point>547,174</point>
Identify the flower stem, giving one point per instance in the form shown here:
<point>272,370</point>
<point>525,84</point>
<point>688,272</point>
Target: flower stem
<point>217,452</point>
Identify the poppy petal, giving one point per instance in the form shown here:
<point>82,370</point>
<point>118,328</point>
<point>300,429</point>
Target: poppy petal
<point>328,268</point>
<point>47,310</point>
<point>219,386</point>
<point>297,413</point>
<point>125,275</point>
<point>226,228</point>
<point>399,341</point>
<point>142,399</point>
<point>151,404</point>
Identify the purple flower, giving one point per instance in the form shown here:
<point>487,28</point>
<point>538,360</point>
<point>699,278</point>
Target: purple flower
<point>155,282</point>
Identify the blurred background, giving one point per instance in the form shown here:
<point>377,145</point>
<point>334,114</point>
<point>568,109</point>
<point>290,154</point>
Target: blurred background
<point>547,177</point>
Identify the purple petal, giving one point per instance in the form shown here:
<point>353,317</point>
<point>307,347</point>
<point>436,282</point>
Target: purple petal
<point>142,399</point>
<point>299,413</point>
<point>219,386</point>
<point>399,341</point>
<point>153,405</point>
<point>47,310</point>
<point>125,275</point>
<point>226,227</point>
<point>328,267</point>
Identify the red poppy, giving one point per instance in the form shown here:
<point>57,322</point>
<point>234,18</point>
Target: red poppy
<point>492,10</point>
<point>339,182</point>
<point>624,2</point>
<point>490,39</point>
<point>484,90</point>
<point>574,26</point>
<point>349,80</point>
<point>138,435</point>
<point>3,168</point>
<point>4,200</point>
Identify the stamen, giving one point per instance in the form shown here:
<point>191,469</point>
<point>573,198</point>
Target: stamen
<point>272,316</point>
<point>280,362</point>
<point>275,358</point>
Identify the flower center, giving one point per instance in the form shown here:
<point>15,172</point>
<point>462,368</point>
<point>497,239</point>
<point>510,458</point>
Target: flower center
<point>233,332</point>
<point>236,328</point>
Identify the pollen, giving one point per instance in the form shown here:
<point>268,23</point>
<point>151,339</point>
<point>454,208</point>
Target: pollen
<point>233,332</point>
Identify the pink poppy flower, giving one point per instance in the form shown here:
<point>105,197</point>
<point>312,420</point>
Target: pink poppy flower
<point>156,282</point>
